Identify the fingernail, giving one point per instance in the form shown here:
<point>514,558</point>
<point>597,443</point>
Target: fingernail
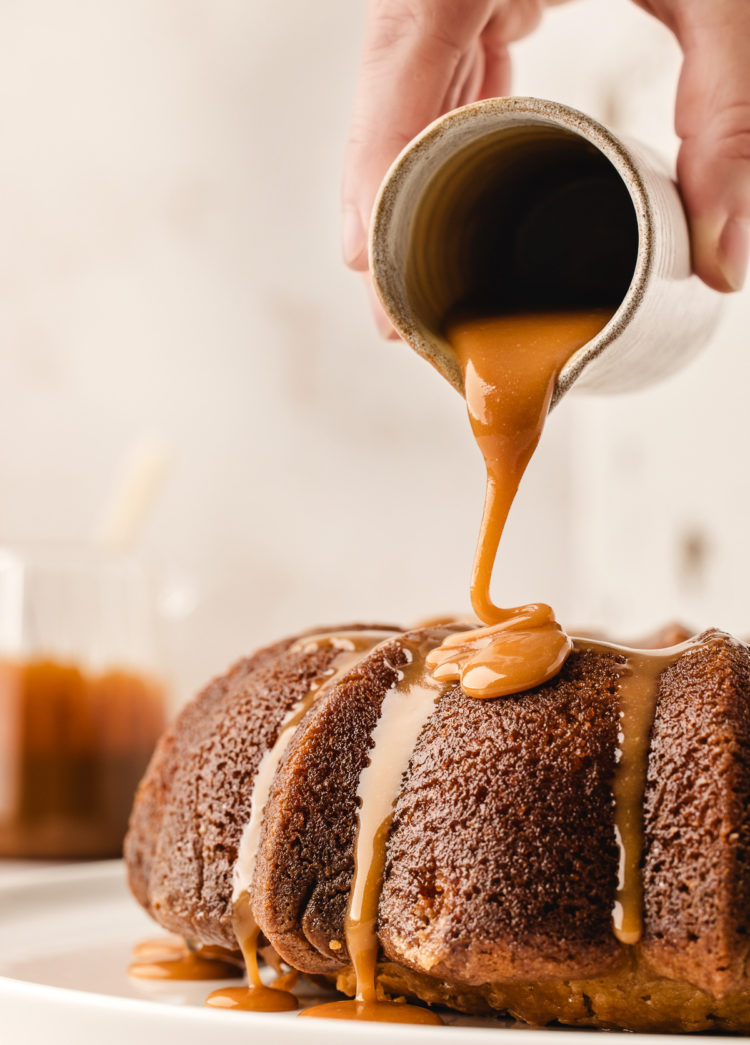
<point>734,245</point>
<point>353,236</point>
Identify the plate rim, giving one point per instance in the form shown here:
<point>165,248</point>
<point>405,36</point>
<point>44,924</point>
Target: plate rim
<point>104,872</point>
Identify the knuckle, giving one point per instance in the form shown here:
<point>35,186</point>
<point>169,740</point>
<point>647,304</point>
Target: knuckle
<point>732,130</point>
<point>723,135</point>
<point>434,23</point>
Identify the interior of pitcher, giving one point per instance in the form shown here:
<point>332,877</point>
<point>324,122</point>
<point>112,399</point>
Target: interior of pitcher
<point>528,216</point>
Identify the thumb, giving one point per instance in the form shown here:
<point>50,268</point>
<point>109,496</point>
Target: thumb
<point>713,120</point>
<point>416,59</point>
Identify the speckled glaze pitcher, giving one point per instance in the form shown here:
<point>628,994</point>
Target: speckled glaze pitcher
<point>521,203</point>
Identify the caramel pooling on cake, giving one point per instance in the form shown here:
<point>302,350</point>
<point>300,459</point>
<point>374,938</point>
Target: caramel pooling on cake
<point>510,365</point>
<point>527,648</point>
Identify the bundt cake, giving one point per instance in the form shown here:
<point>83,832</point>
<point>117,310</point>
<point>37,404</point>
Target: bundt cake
<point>504,859</point>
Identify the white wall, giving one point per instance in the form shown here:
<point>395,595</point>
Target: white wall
<point>169,266</point>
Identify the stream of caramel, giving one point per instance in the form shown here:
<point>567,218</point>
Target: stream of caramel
<point>510,365</point>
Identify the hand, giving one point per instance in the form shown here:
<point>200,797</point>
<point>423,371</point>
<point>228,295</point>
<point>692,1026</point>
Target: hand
<point>424,57</point>
<point>713,120</point>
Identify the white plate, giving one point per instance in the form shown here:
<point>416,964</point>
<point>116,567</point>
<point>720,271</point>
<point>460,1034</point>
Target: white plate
<point>66,936</point>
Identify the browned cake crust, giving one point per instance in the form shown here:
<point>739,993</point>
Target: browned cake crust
<point>631,997</point>
<point>195,798</point>
<point>697,835</point>
<point>501,861</point>
<point>305,860</point>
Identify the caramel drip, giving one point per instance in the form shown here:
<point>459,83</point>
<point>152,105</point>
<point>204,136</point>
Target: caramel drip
<point>353,646</point>
<point>404,712</point>
<point>510,365</point>
<point>287,981</point>
<point>256,997</point>
<point>638,692</point>
<point>247,932</point>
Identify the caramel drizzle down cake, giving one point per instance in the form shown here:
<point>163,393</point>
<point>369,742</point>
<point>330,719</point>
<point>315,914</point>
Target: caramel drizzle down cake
<point>500,819</point>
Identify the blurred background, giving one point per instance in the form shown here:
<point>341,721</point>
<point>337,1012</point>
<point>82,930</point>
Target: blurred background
<point>170,275</point>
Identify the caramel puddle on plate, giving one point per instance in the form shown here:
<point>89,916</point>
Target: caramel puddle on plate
<point>255,997</point>
<point>373,1012</point>
<point>252,999</point>
<point>160,948</point>
<point>170,958</point>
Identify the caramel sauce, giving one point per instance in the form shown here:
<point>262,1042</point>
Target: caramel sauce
<point>203,964</point>
<point>73,746</point>
<point>252,999</point>
<point>638,692</point>
<point>521,652</point>
<point>510,364</point>
<point>172,958</point>
<point>255,997</point>
<point>247,933</point>
<point>373,1012</point>
<point>352,646</point>
<point>160,948</point>
<point>405,710</point>
<point>287,981</point>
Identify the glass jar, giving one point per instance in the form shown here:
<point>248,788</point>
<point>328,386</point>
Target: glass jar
<point>82,699</point>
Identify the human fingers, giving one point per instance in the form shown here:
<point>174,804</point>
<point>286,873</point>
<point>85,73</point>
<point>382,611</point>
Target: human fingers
<point>416,60</point>
<point>496,68</point>
<point>468,80</point>
<point>713,121</point>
